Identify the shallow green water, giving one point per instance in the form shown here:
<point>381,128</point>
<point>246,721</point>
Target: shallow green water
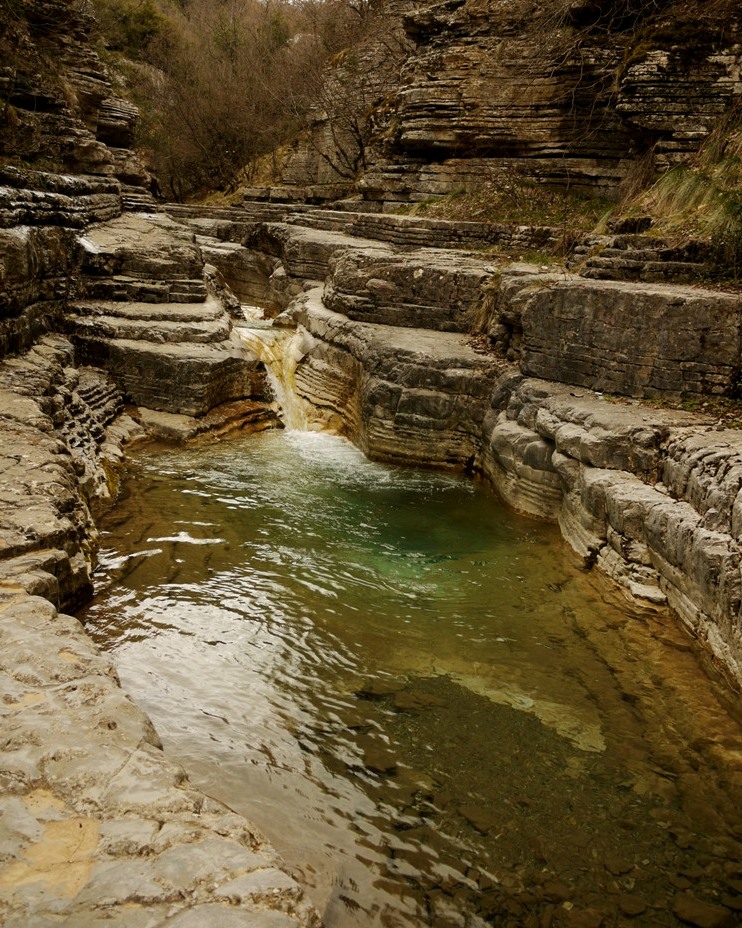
<point>415,694</point>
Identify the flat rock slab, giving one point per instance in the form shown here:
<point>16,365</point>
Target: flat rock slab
<point>178,328</point>
<point>209,310</point>
<point>185,378</point>
<point>96,825</point>
<point>429,288</point>
<point>305,252</point>
<point>627,338</point>
<point>142,245</point>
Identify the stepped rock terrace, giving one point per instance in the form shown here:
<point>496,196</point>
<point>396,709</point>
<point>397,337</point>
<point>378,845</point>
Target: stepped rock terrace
<point>129,326</point>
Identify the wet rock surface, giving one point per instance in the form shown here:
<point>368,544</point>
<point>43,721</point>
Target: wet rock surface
<point>97,826</point>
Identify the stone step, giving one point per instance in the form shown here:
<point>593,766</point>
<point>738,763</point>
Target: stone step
<point>211,310</point>
<point>184,378</point>
<point>188,291</point>
<point>141,290</point>
<point>624,263</point>
<point>249,211</point>
<point>635,254</point>
<point>96,391</point>
<point>99,398</point>
<point>663,253</point>
<point>198,323</point>
<point>599,268</point>
<point>395,229</point>
<point>673,270</point>
<point>138,200</point>
<point>611,272</point>
<point>177,332</point>
<point>103,404</point>
<point>143,246</point>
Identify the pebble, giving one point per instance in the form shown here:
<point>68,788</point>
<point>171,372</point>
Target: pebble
<point>631,906</point>
<point>701,914</point>
<point>618,865</point>
<point>482,819</point>
<point>380,688</point>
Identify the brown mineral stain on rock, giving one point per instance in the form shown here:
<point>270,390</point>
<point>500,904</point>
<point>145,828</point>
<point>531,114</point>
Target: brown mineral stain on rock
<point>43,804</point>
<point>69,657</point>
<point>28,699</point>
<point>62,859</point>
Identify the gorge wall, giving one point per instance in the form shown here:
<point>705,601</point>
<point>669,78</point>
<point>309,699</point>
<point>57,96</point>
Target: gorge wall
<point>117,318</point>
<point>100,309</point>
<point>586,95</point>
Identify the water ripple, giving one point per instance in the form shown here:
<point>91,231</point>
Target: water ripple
<point>430,713</point>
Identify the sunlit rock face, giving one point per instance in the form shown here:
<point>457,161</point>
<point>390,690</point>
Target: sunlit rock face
<point>407,395</point>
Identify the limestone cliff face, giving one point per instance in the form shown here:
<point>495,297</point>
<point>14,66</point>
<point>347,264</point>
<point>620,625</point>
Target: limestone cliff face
<point>80,284</point>
<point>572,93</point>
<point>60,111</point>
<point>64,160</point>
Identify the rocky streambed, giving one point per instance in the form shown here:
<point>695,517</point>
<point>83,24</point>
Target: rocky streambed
<point>648,499</point>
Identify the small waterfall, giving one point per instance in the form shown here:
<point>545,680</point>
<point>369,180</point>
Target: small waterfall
<point>280,350</point>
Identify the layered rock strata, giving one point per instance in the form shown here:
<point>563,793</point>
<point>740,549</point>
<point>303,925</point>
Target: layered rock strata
<point>645,497</point>
<point>648,497</point>
<point>96,824</point>
<point>578,95</point>
<point>61,112</point>
<point>630,339</point>
<point>155,321</point>
<point>406,395</point>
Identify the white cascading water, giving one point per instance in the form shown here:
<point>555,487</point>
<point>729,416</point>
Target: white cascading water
<point>281,350</point>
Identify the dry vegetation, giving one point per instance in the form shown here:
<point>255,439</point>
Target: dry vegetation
<point>222,83</point>
<point>509,197</point>
<point>703,199</point>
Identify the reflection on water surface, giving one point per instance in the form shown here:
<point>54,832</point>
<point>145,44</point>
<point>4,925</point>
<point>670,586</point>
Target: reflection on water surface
<point>414,694</point>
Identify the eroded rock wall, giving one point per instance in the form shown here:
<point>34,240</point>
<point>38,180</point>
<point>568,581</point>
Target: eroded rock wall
<point>61,113</point>
<point>402,394</point>
<point>583,95</point>
<point>646,497</point>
